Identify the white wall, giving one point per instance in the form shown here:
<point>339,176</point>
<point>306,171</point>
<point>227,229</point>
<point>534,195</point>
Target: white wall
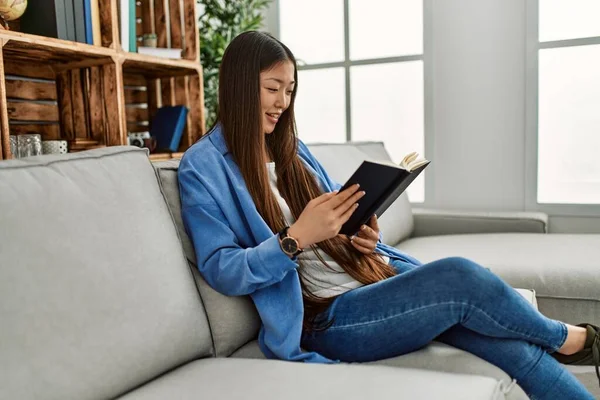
<point>476,123</point>
<point>478,94</point>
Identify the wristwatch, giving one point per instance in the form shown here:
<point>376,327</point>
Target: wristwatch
<point>289,245</point>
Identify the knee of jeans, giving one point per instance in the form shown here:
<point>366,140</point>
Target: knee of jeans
<point>465,270</point>
<point>462,264</point>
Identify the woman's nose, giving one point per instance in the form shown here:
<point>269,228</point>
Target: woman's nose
<point>281,101</point>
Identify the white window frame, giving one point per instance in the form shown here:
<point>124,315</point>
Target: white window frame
<point>347,63</point>
<point>533,46</point>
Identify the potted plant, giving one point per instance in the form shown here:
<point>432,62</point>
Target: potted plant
<point>149,40</point>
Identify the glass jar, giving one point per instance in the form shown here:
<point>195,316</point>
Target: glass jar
<point>29,145</point>
<point>14,147</point>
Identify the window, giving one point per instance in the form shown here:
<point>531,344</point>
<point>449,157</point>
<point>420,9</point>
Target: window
<point>567,54</point>
<point>361,72</point>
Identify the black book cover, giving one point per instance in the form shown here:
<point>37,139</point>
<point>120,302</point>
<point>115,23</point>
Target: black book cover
<point>48,18</point>
<point>79,18</point>
<point>383,184</point>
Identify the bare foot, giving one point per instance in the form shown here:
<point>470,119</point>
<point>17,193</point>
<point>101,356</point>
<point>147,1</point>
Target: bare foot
<point>575,340</point>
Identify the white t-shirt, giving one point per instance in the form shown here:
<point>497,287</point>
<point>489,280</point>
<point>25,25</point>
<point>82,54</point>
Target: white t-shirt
<point>319,279</point>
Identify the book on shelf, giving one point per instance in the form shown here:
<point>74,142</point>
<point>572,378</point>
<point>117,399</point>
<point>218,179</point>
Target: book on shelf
<point>79,16</point>
<point>74,20</point>
<point>95,15</point>
<point>132,26</point>
<point>160,52</point>
<point>50,18</point>
<point>167,127</point>
<point>123,7</point>
<point>383,182</point>
<point>88,28</point>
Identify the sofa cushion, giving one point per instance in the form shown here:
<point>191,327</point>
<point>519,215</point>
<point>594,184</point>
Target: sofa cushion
<point>434,357</point>
<point>233,320</point>
<point>563,269</point>
<point>341,160</point>
<point>95,293</point>
<point>226,378</point>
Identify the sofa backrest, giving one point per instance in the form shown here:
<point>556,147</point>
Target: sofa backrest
<point>96,296</point>
<point>234,321</point>
<point>340,160</point>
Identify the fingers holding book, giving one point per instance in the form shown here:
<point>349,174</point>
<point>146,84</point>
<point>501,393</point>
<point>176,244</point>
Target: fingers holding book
<point>366,239</point>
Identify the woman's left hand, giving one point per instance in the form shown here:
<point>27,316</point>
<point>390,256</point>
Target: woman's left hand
<point>368,236</point>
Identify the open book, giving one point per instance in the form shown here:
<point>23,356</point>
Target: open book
<point>383,183</point>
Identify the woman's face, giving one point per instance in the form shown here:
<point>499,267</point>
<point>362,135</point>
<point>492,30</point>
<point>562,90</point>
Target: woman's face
<point>276,86</point>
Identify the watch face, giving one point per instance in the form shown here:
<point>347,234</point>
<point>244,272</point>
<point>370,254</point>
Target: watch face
<point>289,245</point>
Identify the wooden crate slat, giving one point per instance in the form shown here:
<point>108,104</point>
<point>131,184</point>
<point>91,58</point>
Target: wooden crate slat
<point>48,131</point>
<point>154,100</point>
<point>29,70</point>
<point>167,91</point>
<point>134,80</point>
<point>196,106</point>
<point>109,26</point>
<point>49,52</point>
<point>133,127</point>
<point>4,132</point>
<point>160,21</point>
<point>79,109</point>
<point>148,17</point>
<point>112,79</point>
<point>135,96</point>
<point>96,105</point>
<point>182,97</point>
<point>135,114</point>
<point>175,22</point>
<point>28,111</point>
<point>190,52</point>
<point>30,90</point>
<point>63,91</point>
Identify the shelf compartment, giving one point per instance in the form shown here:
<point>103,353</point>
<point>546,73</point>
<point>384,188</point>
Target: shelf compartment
<point>144,95</point>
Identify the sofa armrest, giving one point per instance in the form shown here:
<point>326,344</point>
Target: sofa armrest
<point>430,222</point>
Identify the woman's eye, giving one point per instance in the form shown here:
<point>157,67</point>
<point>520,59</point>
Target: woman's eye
<point>272,90</point>
<point>290,92</point>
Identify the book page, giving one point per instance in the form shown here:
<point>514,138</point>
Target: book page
<point>412,161</point>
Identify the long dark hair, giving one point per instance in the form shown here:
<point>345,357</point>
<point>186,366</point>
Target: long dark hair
<point>239,113</point>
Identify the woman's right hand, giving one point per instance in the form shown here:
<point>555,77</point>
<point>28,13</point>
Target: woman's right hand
<point>323,217</point>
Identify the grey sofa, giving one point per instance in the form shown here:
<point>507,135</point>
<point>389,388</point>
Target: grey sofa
<point>100,299</point>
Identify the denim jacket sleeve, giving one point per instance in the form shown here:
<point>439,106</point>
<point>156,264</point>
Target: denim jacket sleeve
<point>227,266</point>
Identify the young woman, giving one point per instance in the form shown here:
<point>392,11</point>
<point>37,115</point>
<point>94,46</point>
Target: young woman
<point>264,218</point>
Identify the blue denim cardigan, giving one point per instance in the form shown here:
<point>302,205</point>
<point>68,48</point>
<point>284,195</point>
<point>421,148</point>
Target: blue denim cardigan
<point>237,252</point>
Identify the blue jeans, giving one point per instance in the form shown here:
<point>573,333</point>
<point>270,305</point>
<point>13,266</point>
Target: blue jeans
<point>454,301</point>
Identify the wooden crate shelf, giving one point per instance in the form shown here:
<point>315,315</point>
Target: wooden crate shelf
<point>156,67</point>
<point>32,48</point>
<point>92,96</point>
<point>165,156</point>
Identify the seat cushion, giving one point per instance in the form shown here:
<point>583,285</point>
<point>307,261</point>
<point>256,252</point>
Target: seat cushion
<point>228,378</point>
<point>233,320</point>
<point>95,293</point>
<point>341,160</point>
<point>563,269</point>
<point>434,357</point>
